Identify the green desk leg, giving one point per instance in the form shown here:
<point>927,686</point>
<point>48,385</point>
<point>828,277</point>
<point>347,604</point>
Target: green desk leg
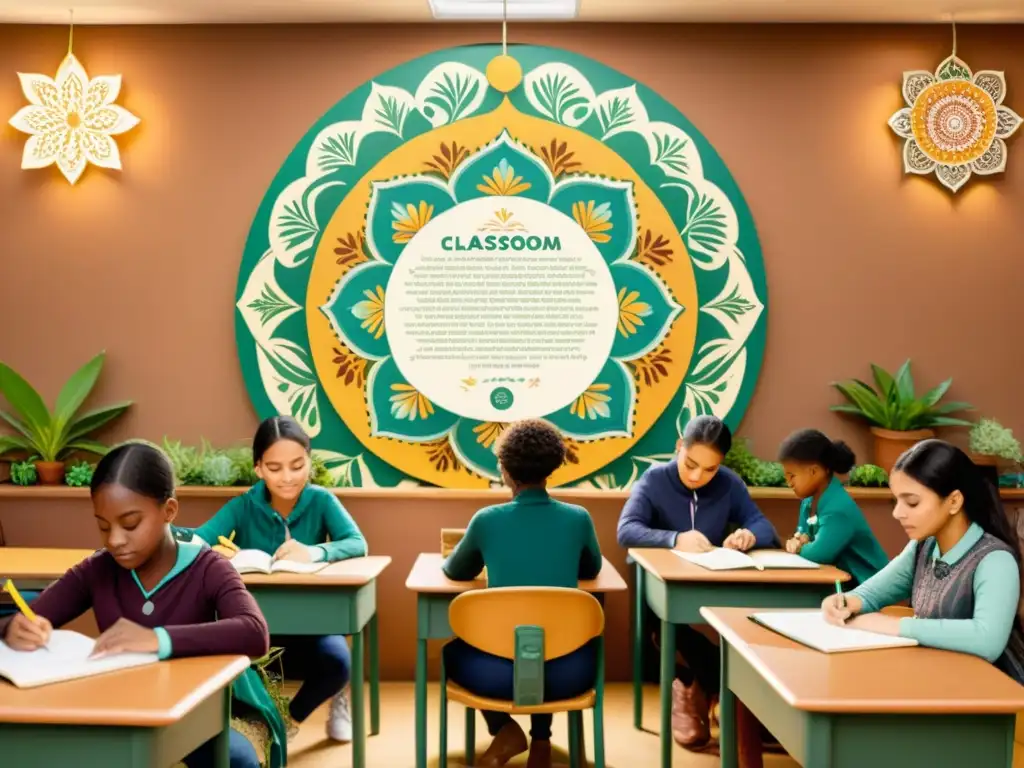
<point>727,736</point>
<point>668,672</point>
<point>421,703</point>
<point>638,650</point>
<point>373,639</point>
<point>358,704</point>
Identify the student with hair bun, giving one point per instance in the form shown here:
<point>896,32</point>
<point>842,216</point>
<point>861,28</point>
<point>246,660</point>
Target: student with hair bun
<point>832,529</point>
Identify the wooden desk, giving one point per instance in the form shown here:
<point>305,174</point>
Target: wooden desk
<point>434,593</point>
<point>339,600</point>
<point>677,590</point>
<point>885,709</point>
<point>146,717</point>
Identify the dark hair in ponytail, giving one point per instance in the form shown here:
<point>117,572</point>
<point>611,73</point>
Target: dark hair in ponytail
<point>710,431</point>
<point>142,468</point>
<point>274,429</point>
<point>944,468</point>
<point>809,446</point>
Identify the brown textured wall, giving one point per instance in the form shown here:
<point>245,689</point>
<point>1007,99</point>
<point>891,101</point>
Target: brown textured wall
<point>863,264</point>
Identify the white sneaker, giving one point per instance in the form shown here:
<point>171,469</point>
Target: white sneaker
<point>339,719</point>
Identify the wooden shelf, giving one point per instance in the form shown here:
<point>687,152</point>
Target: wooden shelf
<point>492,495</point>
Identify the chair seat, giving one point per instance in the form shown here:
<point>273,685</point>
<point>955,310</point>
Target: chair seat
<point>462,696</point>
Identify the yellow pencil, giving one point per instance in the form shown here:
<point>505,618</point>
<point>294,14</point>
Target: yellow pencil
<point>228,542</point>
<point>19,601</point>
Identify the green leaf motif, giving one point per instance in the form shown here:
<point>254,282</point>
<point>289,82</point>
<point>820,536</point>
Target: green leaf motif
<point>558,95</point>
<point>734,305</point>
<point>391,113</point>
<point>295,224</point>
<point>615,115</point>
<point>337,152</point>
<point>954,69</point>
<point>670,151</point>
<point>706,224</point>
<point>269,305</point>
<point>453,95</point>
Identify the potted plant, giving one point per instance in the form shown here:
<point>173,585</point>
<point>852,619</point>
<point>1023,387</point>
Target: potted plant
<point>53,436</point>
<point>993,444</point>
<point>898,417</point>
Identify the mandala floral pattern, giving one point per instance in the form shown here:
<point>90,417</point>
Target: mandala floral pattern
<point>955,123</point>
<point>317,346</point>
<point>71,120</point>
<point>603,208</point>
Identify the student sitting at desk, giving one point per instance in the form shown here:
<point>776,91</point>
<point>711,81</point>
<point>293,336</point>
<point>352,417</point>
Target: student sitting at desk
<point>831,529</point>
<point>152,594</point>
<point>688,504</point>
<point>533,541</point>
<point>285,515</point>
<point>961,569</point>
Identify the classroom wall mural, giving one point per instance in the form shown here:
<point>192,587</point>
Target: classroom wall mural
<point>471,239</point>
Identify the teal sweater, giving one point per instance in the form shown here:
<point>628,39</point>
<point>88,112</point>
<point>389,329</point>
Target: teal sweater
<point>840,535</point>
<point>996,592</point>
<point>318,520</point>
<point>533,541</point>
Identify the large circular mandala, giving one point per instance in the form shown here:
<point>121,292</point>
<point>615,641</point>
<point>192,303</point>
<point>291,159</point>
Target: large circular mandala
<point>438,258</point>
<point>955,123</point>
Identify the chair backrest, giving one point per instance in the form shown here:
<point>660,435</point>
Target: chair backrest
<point>487,618</point>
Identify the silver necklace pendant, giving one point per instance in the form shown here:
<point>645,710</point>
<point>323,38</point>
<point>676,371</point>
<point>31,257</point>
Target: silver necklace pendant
<point>148,607</point>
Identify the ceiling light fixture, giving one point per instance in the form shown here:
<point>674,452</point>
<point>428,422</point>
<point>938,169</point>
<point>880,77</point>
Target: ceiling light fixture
<point>491,10</point>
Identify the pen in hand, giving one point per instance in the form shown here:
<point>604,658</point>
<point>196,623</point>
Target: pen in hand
<point>842,596</point>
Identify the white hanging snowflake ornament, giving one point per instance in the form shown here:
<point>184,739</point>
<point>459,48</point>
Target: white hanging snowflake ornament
<point>955,123</point>
<point>71,120</point>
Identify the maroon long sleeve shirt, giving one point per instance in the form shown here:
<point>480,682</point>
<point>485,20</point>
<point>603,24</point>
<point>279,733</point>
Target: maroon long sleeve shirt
<point>204,608</point>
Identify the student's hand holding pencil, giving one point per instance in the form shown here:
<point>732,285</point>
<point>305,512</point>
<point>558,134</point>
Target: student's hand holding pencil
<point>226,547</point>
<point>25,634</point>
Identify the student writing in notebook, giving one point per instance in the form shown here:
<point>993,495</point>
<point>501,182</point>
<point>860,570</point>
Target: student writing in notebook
<point>153,594</point>
<point>294,520</point>
<point>533,541</point>
<point>689,504</point>
<point>961,569</point>
<point>831,529</point>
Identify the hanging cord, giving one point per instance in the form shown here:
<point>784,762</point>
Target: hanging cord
<point>71,31</point>
<point>954,38</point>
<point>504,27</point>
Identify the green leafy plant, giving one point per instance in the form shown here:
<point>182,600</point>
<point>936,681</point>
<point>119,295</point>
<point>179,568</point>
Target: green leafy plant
<point>241,457</point>
<point>755,472</point>
<point>54,435</point>
<point>894,405</point>
<point>868,476</point>
<point>187,461</point>
<point>79,474</point>
<point>990,438</point>
<point>216,467</point>
<point>319,474</point>
<point>24,472</point>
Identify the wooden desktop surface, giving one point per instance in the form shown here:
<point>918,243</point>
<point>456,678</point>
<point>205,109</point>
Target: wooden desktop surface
<point>154,695</point>
<point>29,563</point>
<point>894,680</point>
<point>667,566</point>
<point>354,572</point>
<point>427,577</point>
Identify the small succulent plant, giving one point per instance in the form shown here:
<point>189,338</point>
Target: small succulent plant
<point>79,474</point>
<point>217,469</point>
<point>24,472</point>
<point>990,438</point>
<point>868,476</point>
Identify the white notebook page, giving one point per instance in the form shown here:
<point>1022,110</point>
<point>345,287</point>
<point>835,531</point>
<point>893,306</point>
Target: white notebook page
<point>811,629</point>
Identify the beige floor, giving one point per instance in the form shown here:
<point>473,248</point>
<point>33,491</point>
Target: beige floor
<point>394,747</point>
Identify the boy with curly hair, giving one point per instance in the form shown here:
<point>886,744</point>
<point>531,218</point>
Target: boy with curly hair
<point>532,541</point>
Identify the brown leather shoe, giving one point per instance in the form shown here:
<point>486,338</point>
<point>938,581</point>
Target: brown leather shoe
<point>540,754</point>
<point>509,742</point>
<point>690,726</point>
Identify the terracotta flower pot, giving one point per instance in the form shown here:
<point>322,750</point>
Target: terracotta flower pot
<point>985,460</point>
<point>50,472</point>
<point>889,444</point>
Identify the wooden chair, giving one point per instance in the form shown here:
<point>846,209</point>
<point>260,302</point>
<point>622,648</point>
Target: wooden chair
<point>487,620</point>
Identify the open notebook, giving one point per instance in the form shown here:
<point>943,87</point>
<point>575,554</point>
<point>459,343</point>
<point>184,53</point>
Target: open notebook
<point>722,559</point>
<point>257,561</point>
<point>810,628</point>
<point>65,658</point>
